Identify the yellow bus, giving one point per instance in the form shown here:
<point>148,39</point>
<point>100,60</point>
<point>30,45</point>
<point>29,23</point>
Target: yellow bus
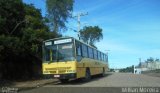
<point>68,58</point>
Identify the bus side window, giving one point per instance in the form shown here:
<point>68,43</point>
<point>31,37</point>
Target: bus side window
<point>105,58</point>
<point>84,51</point>
<point>102,57</point>
<point>90,52</point>
<point>78,51</point>
<point>78,48</point>
<point>99,56</point>
<point>95,54</point>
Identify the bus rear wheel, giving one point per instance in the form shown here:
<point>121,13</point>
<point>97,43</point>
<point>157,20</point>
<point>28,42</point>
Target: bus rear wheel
<point>64,80</point>
<point>103,73</point>
<point>88,75</point>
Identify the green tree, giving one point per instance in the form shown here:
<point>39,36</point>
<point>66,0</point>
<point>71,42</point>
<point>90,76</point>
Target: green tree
<point>58,12</point>
<point>111,70</point>
<point>157,60</point>
<point>151,59</point>
<point>22,31</point>
<point>35,30</point>
<point>128,69</point>
<point>91,34</point>
<point>11,17</point>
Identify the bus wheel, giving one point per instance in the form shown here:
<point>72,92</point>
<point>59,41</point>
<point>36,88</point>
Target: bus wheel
<point>64,80</point>
<point>88,75</point>
<point>103,73</point>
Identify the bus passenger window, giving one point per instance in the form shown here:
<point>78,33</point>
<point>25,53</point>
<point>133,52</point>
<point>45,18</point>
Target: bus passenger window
<point>102,56</point>
<point>78,52</point>
<point>105,58</point>
<point>90,52</point>
<point>99,55</point>
<point>78,49</point>
<point>95,54</point>
<point>84,51</point>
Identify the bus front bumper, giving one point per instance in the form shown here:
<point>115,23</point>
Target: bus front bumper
<point>62,76</point>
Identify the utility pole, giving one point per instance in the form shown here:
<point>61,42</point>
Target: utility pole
<point>140,65</point>
<point>140,62</point>
<point>79,22</point>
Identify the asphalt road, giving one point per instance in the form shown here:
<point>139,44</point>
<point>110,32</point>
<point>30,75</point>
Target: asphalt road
<point>111,82</point>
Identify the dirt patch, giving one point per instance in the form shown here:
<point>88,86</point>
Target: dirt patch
<point>24,85</point>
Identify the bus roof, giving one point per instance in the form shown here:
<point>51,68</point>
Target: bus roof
<point>66,37</point>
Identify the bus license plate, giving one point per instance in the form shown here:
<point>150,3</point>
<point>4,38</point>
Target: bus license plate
<point>56,75</point>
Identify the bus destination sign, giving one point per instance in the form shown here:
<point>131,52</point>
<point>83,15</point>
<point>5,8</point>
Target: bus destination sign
<point>62,41</point>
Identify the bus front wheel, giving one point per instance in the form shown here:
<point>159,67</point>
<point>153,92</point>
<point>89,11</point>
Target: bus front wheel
<point>103,73</point>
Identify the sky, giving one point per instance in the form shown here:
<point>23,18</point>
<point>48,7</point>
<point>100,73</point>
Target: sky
<point>131,28</point>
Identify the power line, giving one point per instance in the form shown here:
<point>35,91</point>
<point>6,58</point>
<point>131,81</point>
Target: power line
<point>78,16</point>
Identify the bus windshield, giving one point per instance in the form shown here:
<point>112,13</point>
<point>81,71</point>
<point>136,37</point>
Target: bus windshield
<point>59,53</point>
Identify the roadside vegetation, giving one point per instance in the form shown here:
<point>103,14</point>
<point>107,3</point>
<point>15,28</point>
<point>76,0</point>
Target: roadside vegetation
<point>22,31</point>
<point>127,69</point>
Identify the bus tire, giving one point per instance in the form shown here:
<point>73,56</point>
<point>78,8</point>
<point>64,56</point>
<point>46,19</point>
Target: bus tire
<point>64,80</point>
<point>88,75</point>
<point>103,73</point>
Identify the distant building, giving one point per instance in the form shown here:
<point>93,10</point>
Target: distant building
<point>142,65</point>
<point>139,70</point>
<point>148,65</point>
<point>153,65</point>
